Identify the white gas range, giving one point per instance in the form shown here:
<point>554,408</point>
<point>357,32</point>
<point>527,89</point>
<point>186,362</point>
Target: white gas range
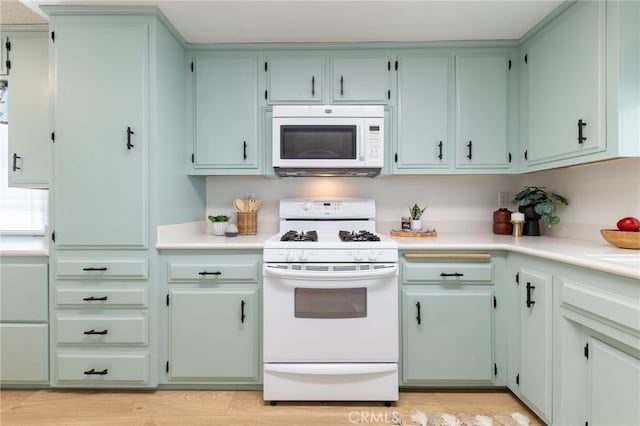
<point>330,304</point>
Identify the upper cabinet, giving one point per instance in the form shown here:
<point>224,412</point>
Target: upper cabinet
<point>424,116</point>
<point>295,78</point>
<point>482,111</point>
<point>225,114</point>
<point>581,85</point>
<point>26,60</point>
<point>100,71</point>
<point>360,77</point>
<point>566,86</point>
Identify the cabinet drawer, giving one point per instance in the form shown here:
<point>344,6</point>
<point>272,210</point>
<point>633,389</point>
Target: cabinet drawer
<point>23,292</point>
<point>24,353</point>
<point>103,367</point>
<point>445,272</point>
<point>214,272</point>
<point>102,330</point>
<point>96,268</point>
<point>615,307</point>
<point>135,297</point>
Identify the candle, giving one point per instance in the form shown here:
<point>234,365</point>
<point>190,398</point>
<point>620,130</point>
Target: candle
<point>517,217</point>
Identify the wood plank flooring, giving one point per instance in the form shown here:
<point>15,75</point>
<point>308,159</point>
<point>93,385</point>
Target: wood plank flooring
<point>198,407</point>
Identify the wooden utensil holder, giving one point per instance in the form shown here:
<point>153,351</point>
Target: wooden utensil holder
<point>247,223</point>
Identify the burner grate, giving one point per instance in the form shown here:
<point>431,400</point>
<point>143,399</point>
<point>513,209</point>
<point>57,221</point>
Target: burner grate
<point>358,236</point>
<point>300,236</point>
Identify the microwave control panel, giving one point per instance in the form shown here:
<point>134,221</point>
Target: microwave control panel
<point>374,141</point>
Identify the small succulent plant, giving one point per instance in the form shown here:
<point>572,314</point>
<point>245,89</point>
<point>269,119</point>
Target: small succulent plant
<point>219,218</point>
<point>416,212</point>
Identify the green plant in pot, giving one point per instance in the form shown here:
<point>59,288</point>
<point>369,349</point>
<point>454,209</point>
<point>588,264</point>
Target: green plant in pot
<point>536,203</point>
<point>415,212</point>
<point>218,224</point>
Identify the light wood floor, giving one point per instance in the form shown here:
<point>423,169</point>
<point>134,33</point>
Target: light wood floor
<point>197,407</point>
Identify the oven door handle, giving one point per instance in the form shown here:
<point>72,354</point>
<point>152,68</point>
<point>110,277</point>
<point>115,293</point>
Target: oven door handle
<point>330,275</point>
<point>331,369</point>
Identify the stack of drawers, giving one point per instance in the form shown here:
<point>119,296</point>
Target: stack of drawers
<point>101,322</point>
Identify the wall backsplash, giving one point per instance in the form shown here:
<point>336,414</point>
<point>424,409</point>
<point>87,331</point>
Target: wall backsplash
<point>599,194</point>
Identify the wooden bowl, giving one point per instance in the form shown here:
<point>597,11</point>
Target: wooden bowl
<point>622,239</point>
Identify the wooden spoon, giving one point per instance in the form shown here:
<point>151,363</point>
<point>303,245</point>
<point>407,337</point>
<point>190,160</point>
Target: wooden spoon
<point>239,205</point>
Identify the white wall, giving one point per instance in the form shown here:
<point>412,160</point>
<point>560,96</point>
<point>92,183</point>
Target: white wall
<point>456,203</point>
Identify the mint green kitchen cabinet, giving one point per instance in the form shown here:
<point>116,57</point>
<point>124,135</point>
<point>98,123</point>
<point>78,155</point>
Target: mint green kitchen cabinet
<point>566,86</point>
<point>424,112</point>
<point>28,131</point>
<point>225,119</point>
<point>360,77</point>
<point>294,78</point>
<point>24,321</point>
<point>535,373</point>
<point>483,111</point>
<point>5,48</point>
<point>100,70</point>
<point>599,358</point>
<point>213,318</point>
<point>447,320</point>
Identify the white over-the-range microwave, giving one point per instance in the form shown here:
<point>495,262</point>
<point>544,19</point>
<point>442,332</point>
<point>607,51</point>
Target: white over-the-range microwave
<point>328,140</point>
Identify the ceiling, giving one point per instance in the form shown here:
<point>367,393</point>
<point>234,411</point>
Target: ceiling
<point>218,21</point>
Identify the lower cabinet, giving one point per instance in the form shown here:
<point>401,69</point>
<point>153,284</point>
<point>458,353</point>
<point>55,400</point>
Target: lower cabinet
<point>447,320</point>
<point>24,329</point>
<point>213,319</point>
<point>535,373</point>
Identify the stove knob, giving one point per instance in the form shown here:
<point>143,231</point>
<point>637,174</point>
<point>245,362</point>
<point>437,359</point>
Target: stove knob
<point>290,256</point>
<point>304,256</point>
<point>373,255</point>
<point>357,256</point>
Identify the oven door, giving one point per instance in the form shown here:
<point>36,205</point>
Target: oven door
<point>330,316</point>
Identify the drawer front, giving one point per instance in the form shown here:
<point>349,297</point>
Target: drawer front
<point>23,292</point>
<point>103,368</point>
<point>99,269</point>
<point>24,353</point>
<point>445,272</point>
<point>102,330</point>
<point>135,297</point>
<point>615,307</point>
<point>214,272</point>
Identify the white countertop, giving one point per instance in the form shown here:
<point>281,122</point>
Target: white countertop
<point>23,245</point>
<point>591,254</point>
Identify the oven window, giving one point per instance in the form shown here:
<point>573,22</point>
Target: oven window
<point>330,303</point>
<point>318,142</point>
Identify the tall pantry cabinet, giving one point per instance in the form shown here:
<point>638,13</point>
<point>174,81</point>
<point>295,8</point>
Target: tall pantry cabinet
<point>117,121</point>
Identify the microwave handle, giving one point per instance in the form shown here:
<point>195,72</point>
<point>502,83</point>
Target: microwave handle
<point>363,142</point>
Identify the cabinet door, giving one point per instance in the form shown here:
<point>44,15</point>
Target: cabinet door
<point>423,112</point>
<point>24,292</point>
<point>214,334</point>
<point>615,385</point>
<point>100,73</point>
<point>447,336</point>
<point>361,78</point>
<point>4,54</point>
<point>482,98</point>
<point>566,85</point>
<point>536,336</point>
<point>29,136</point>
<point>24,353</point>
<point>294,79</point>
<point>226,112</point>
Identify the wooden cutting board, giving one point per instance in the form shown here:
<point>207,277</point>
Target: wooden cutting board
<point>420,234</point>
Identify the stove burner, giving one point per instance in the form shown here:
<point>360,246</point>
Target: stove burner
<point>358,236</point>
<point>300,236</point>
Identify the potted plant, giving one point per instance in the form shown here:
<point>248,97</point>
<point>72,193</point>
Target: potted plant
<point>536,203</point>
<point>218,224</point>
<point>416,213</point>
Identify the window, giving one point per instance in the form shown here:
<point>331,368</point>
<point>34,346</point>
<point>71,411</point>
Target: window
<point>22,211</point>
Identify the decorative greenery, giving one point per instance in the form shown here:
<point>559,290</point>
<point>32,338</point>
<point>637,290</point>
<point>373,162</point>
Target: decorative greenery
<point>543,202</point>
<point>416,212</point>
<point>219,218</point>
